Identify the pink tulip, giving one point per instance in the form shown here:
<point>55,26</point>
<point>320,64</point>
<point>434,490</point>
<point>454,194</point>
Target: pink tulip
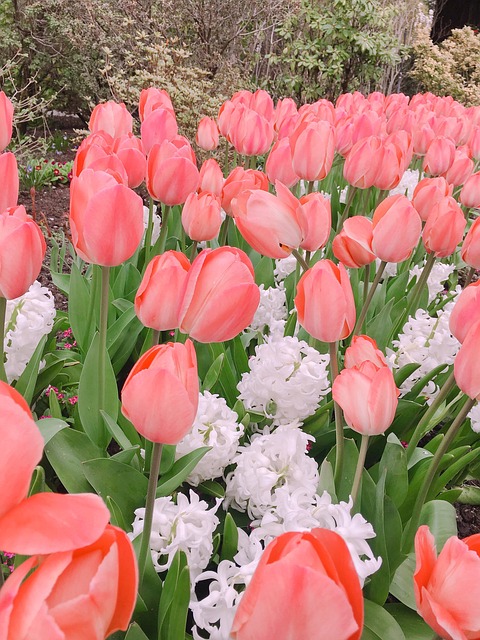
<point>474,143</point>
<point>279,164</point>
<point>250,133</point>
<point>439,156</point>
<point>363,163</point>
<point>447,586</point>
<point>201,216</point>
<point>88,592</point>
<point>240,180</point>
<point>22,249</point>
<point>353,245</point>
<point>471,246</point>
<point>423,136</point>
<point>160,394</point>
<point>6,121</point>
<point>285,112</point>
<point>272,225</point>
<point>427,193</point>
<point>368,396</point>
<point>394,213</point>
<point>152,99</point>
<point>470,193</point>
<point>26,523</point>
<point>158,296</point>
<point>111,117</point>
<point>94,147</point>
<point>318,218</point>
<point>172,172</point>
<point>158,127</point>
<point>129,151</point>
<point>207,134</point>
<point>313,149</point>
<point>220,296</point>
<point>211,177</point>
<point>324,302</point>
<point>460,169</point>
<point>106,218</point>
<point>444,228</point>
<point>466,367</point>
<point>466,311</point>
<point>305,586</point>
<point>9,181</point>
<point>363,349</point>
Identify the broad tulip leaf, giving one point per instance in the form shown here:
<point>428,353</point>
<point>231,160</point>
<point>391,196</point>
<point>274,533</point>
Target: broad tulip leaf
<point>116,431</point>
<point>27,382</point>
<point>411,623</point>
<point>173,610</point>
<point>229,539</point>
<point>212,488</point>
<point>134,633</point>
<point>48,427</point>
<point>394,463</point>
<point>79,302</point>
<point>402,583</point>
<point>344,488</point>
<point>213,374</point>
<point>379,624</point>
<point>180,472</point>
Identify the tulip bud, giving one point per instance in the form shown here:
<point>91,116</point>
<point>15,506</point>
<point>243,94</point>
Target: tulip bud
<point>363,163</point>
<point>353,245</point>
<point>240,180</point>
<point>211,177</point>
<point>279,164</point>
<point>470,193</point>
<point>471,246</point>
<point>466,311</point>
<point>318,217</point>
<point>313,149</point>
<point>394,213</point>
<point>207,134</point>
<point>172,172</point>
<point>428,192</point>
<point>6,121</point>
<point>444,228</point>
<point>466,367</point>
<point>363,349</point>
<point>111,117</point>
<point>201,216</point>
<point>9,181</point>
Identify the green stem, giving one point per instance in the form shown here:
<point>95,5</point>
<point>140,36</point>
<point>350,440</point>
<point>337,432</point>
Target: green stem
<point>155,337</point>
<point>363,312</point>
<point>225,162</point>
<point>432,470</point>
<point>339,439</point>
<point>222,238</point>
<point>3,311</point>
<point>150,503</point>
<point>428,415</point>
<point>149,232</point>
<point>96,278</point>
<point>360,464</point>
<point>300,259</point>
<point>366,283</point>
<point>350,196</point>
<point>412,304</point>
<point>162,239</point>
<point>310,186</point>
<point>102,358</point>
<point>469,277</point>
<point>193,250</point>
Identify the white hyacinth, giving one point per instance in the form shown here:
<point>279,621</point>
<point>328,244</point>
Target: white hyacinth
<point>286,381</point>
<point>28,318</point>
<point>407,184</point>
<point>284,267</point>
<point>271,461</point>
<point>272,311</point>
<point>156,223</point>
<point>187,525</point>
<point>438,276</point>
<point>474,416</point>
<point>215,426</point>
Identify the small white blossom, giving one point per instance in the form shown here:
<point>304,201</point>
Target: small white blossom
<point>474,416</point>
<point>284,267</point>
<point>272,311</point>
<point>187,525</point>
<point>156,223</point>
<point>28,318</point>
<point>407,184</point>
<point>438,276</point>
<point>215,426</point>
<point>390,270</point>
<point>286,381</point>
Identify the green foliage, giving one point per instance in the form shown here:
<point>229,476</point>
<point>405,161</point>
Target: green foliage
<point>41,173</point>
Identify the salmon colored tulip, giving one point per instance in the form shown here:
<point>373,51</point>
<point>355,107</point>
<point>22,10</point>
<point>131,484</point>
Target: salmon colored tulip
<point>353,245</point>
<point>305,586</point>
<point>250,133</point>
<point>466,311</point>
<point>129,150</point>
<point>444,228</point>
<point>94,147</point>
<point>9,181</point>
<point>471,246</point>
<point>368,396</point>
<point>286,113</point>
<point>474,143</point>
<point>158,296</point>
<point>240,180</point>
<point>26,523</point>
<point>467,363</point>
<point>172,172</point>
<point>207,134</point>
<point>152,99</point>
<point>460,169</point>
<point>272,225</point>
<point>159,126</point>
<point>396,156</point>
<point>447,585</point>
<point>6,121</point>
<point>394,213</point>
<point>160,394</point>
<point>89,592</point>
<point>220,296</point>
<point>211,177</point>
<point>279,164</point>
<point>362,349</point>
<point>422,136</point>
<point>22,249</point>
<point>470,193</point>
<point>439,156</point>
<point>427,193</point>
<point>111,117</point>
<point>318,219</point>
<point>324,302</point>
<point>106,218</point>
<point>313,149</point>
<point>201,216</point>
<point>363,163</point>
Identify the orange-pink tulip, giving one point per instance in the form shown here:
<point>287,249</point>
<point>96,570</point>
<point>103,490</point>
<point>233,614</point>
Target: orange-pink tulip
<point>447,585</point>
<point>444,228</point>
<point>129,151</point>
<point>159,126</point>
<point>466,367</point>
<point>460,169</point>
<point>427,193</point>
<point>220,296</point>
<point>279,164</point>
<point>202,216</point>
<point>353,245</point>
<point>22,249</point>
<point>362,349</point>
<point>318,221</point>
<point>211,177</point>
<point>324,302</point>
<point>363,163</point>
<point>394,213</point>
<point>313,149</point>
<point>439,156</point>
<point>158,296</point>
<point>250,133</point>
<point>9,181</point>
<point>471,246</point>
<point>240,180</point>
<point>305,586</point>
<point>172,172</point>
<point>470,193</point>
<point>6,121</point>
<point>111,117</point>
<point>152,99</point>
<point>466,311</point>
<point>106,218</point>
<point>207,134</point>
<point>89,592</point>
<point>160,395</point>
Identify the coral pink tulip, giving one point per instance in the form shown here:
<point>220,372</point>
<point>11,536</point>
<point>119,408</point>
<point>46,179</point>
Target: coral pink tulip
<point>466,311</point>
<point>466,367</point>
<point>471,246</point>
<point>111,117</point>
<point>474,143</point>
<point>363,163</point>
<point>211,177</point>
<point>220,296</point>
<point>89,592</point>
<point>202,216</point>
<point>22,249</point>
<point>422,137</point>
<point>286,113</point>
<point>240,180</point>
<point>470,193</point>
<point>250,133</point>
<point>362,349</point>
<point>6,121</point>
<point>160,395</point>
<point>152,99</point>
<point>313,149</point>
<point>394,213</point>
<point>439,156</point>
<point>318,219</point>
<point>158,296</point>
<point>460,169</point>
<point>9,181</point>
<point>427,193</point>
<point>279,164</point>
<point>159,126</point>
<point>106,218</point>
<point>447,586</point>
<point>207,134</point>
<point>129,150</point>
<point>272,225</point>
<point>324,302</point>
<point>353,245</point>
<point>368,396</point>
<point>444,228</point>
<point>172,172</point>
<point>26,522</point>
<point>305,586</point>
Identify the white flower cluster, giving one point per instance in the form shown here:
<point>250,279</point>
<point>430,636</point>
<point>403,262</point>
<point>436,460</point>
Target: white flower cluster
<point>284,267</point>
<point>215,426</point>
<point>286,381</point>
<point>272,311</point>
<point>187,525</point>
<point>28,318</point>
<point>407,184</point>
<point>156,223</point>
<point>474,416</point>
<point>435,281</point>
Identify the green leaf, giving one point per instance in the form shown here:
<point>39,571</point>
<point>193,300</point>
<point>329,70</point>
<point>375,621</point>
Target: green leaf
<point>28,380</point>
<point>116,431</point>
<point>213,373</point>
<point>212,488</point>
<point>379,624</point>
<point>394,464</point>
<point>230,538</point>
<point>48,427</point>
<point>173,610</point>
<point>402,583</point>
<point>82,322</point>
<point>180,472</point>
<point>37,483</point>
<point>116,516</point>
<point>411,623</point>
<point>264,272</point>
<point>344,489</point>
<point>135,633</point>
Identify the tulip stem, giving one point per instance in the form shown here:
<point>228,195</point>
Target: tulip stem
<point>150,503</point>
<point>428,415</point>
<point>193,250</point>
<point>162,238</point>
<point>155,337</point>
<point>350,196</point>
<point>3,311</point>
<point>366,283</point>
<point>300,259</point>
<point>432,470</point>
<point>360,464</point>
<point>366,304</point>
<point>149,232</point>
<point>340,445</point>
<point>226,158</point>
<point>469,277</point>
<point>224,231</point>
<point>102,356</point>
